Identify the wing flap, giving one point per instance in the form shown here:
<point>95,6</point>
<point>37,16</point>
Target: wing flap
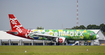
<point>50,37</point>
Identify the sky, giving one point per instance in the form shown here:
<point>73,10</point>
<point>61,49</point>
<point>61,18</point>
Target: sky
<point>52,14</point>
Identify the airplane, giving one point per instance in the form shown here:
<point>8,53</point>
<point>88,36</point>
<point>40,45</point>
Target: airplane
<point>58,36</point>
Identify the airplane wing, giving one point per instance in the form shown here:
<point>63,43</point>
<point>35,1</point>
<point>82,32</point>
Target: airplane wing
<point>50,37</point>
<point>46,35</point>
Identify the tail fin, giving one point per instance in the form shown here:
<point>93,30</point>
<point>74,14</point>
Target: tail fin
<point>15,25</point>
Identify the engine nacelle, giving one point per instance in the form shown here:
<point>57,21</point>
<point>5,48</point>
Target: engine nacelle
<point>60,39</point>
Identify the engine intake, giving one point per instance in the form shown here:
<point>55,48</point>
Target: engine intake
<point>60,39</point>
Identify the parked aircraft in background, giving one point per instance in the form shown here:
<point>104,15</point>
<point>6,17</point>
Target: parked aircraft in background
<point>59,36</point>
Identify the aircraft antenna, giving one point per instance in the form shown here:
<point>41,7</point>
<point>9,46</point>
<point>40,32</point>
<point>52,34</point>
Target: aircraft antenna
<point>77,15</point>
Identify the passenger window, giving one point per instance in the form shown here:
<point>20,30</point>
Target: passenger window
<point>35,32</point>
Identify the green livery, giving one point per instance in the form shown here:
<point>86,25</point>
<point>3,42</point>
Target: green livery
<point>68,34</point>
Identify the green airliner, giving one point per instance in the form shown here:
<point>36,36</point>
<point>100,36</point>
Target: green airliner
<point>63,35</point>
<point>59,36</point>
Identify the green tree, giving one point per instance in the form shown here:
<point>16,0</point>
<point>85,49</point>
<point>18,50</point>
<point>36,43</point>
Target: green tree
<point>75,27</point>
<point>93,26</point>
<point>40,28</point>
<point>82,27</point>
<point>102,27</point>
<point>89,26</point>
<point>79,27</point>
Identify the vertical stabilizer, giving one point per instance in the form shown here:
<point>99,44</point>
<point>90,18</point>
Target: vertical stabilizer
<point>15,25</point>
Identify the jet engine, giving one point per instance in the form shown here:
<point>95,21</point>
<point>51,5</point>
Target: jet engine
<point>60,39</point>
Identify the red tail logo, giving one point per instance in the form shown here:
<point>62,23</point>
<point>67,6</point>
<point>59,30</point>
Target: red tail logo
<point>15,25</point>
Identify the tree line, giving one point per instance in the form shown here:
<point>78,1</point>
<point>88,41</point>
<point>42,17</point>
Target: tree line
<point>93,26</point>
<point>40,28</point>
<point>101,26</point>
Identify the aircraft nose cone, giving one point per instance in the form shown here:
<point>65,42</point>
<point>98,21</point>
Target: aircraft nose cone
<point>97,36</point>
